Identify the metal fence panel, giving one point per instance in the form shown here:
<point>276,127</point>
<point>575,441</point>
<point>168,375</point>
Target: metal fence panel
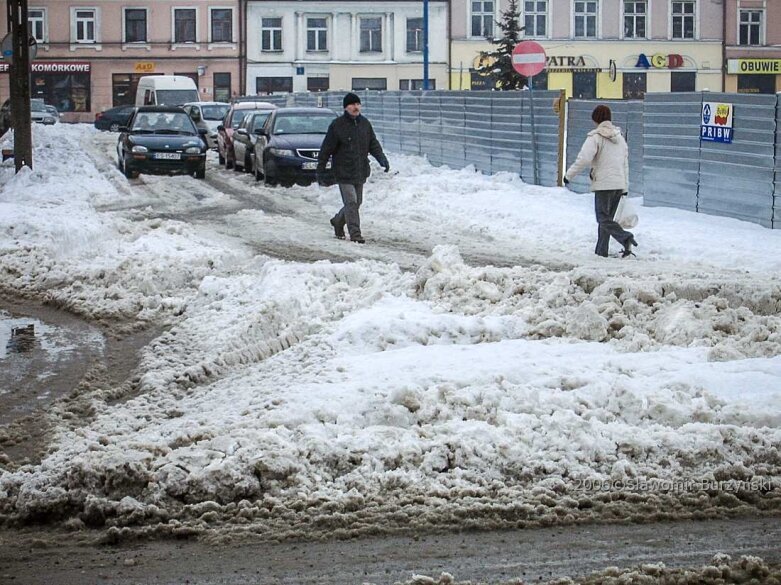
<point>672,149</point>
<point>777,181</point>
<point>431,127</point>
<point>454,133</point>
<point>736,180</point>
<point>545,140</point>
<point>506,137</point>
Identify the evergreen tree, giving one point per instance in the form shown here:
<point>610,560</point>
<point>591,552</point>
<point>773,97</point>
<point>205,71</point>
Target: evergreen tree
<point>498,63</point>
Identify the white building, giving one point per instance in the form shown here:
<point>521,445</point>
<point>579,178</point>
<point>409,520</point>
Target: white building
<point>318,45</point>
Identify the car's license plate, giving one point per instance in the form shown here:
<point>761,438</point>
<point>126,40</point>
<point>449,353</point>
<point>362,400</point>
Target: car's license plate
<point>168,155</point>
<point>309,166</point>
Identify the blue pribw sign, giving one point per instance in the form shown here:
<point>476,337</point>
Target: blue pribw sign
<point>716,122</point>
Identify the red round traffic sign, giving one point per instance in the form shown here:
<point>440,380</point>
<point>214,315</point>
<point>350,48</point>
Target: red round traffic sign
<point>528,58</point>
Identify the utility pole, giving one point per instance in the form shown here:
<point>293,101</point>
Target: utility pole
<point>20,84</point>
<point>425,45</point>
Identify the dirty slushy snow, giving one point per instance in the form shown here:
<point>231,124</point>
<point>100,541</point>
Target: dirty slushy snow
<point>300,399</point>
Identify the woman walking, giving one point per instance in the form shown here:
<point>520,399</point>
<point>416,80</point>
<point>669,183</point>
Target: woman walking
<point>606,152</point>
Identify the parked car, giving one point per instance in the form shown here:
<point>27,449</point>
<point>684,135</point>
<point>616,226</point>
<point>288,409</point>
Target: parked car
<point>289,145</point>
<point>245,137</point>
<point>169,90</point>
<point>232,120</point>
<point>49,108</point>
<point>212,114</point>
<point>39,113</point>
<point>161,139</point>
<point>113,118</point>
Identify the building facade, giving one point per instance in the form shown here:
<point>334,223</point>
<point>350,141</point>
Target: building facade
<point>753,46</point>
<point>602,48</point>
<point>314,45</point>
<point>90,55</point>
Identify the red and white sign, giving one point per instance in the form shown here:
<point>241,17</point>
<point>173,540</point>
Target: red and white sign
<point>529,58</point>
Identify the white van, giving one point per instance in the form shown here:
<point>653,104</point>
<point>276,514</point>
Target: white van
<point>165,90</point>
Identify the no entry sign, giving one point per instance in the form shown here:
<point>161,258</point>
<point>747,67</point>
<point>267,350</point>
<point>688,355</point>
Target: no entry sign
<point>528,58</point>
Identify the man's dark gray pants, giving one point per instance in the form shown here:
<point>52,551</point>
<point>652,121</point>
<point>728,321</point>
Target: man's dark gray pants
<point>352,197</point>
<point>605,205</point>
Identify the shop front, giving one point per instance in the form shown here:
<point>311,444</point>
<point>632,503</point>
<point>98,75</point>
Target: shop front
<point>753,75</point>
<point>65,85</point>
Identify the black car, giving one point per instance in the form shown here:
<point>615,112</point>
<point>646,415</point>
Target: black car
<point>161,139</point>
<point>114,118</point>
<point>287,149</point>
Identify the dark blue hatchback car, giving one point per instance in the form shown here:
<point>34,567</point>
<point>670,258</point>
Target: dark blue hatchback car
<point>289,143</point>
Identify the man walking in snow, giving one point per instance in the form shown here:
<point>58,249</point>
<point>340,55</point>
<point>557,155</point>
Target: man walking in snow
<point>606,152</point>
<point>350,139</point>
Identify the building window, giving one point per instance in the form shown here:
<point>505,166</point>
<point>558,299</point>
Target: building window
<point>750,27</point>
<point>414,35</point>
<point>757,84</point>
<point>317,83</point>
<point>184,25</point>
<point>634,86</point>
<point>36,17</point>
<point>586,19</point>
<point>415,84</point>
<point>270,34</point>
<point>683,80</point>
<point>584,85</point>
<point>683,14</point>
<point>316,35</point>
<point>274,84</point>
<point>222,87</point>
<point>535,18</point>
<point>221,25</point>
<point>135,25</point>
<point>68,92</point>
<point>84,26</point>
<point>483,19</point>
<point>635,14</point>
<point>124,87</point>
<point>376,83</point>
<point>371,35</point>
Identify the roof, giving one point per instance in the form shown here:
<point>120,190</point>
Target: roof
<point>254,106</point>
<point>305,110</point>
<point>160,109</point>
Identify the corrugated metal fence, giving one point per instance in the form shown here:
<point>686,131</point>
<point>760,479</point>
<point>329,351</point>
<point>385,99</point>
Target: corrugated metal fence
<point>488,129</point>
<point>671,167</point>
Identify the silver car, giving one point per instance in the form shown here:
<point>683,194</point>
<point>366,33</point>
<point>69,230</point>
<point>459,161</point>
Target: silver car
<point>211,114</point>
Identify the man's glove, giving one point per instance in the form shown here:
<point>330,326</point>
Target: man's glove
<point>566,181</point>
<point>386,165</point>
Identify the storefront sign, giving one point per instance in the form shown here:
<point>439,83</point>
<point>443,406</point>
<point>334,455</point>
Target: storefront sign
<point>52,67</point>
<point>754,66</point>
<point>144,67</point>
<point>566,61</point>
<point>716,123</point>
<point>659,61</point>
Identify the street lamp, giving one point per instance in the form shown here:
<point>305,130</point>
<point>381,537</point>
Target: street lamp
<point>425,45</point>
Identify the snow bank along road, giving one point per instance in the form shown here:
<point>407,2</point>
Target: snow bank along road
<point>473,366</point>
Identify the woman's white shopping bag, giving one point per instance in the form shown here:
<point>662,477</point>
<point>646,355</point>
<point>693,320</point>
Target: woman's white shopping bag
<point>627,213</point>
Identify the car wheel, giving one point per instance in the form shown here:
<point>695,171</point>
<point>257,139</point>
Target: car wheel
<point>201,172</point>
<point>228,161</point>
<point>256,170</point>
<point>114,127</point>
<point>129,173</point>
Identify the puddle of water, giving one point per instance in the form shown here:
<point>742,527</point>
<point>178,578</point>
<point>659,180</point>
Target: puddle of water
<point>42,363</point>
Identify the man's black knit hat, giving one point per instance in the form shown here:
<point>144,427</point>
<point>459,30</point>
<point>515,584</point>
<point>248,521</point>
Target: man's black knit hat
<point>350,98</point>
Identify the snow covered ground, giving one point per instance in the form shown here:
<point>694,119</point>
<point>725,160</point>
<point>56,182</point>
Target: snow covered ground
<point>395,390</point>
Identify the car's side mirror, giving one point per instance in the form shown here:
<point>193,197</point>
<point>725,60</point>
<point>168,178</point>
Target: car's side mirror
<point>260,132</point>
<point>242,131</point>
<point>203,131</point>
<point>220,128</point>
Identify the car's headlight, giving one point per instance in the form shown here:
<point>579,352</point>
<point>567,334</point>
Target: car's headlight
<point>193,150</point>
<point>139,149</point>
<point>280,152</point>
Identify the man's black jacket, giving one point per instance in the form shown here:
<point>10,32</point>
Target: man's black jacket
<point>350,140</point>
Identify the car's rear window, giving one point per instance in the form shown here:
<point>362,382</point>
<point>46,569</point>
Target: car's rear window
<point>214,112</point>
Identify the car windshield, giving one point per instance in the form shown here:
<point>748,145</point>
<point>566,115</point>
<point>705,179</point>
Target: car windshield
<point>302,123</point>
<point>163,123</point>
<point>214,112</point>
<point>259,119</point>
<point>174,97</point>
<point>36,106</point>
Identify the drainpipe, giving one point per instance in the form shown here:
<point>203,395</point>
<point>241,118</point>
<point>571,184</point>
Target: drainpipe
<point>243,47</point>
<point>450,46</point>
<point>724,45</point>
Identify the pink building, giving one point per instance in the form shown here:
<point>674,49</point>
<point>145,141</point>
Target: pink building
<point>91,54</point>
<point>753,46</point>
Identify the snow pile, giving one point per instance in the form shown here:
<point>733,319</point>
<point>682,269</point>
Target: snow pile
<point>303,399</point>
<point>721,569</point>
